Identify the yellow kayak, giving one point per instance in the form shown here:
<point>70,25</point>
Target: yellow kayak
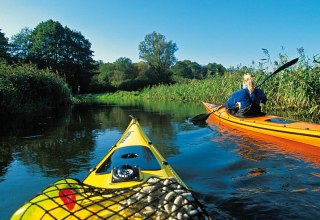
<point>133,181</point>
<point>298,131</point>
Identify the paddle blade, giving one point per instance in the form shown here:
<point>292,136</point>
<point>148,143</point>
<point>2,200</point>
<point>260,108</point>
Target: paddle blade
<point>286,65</point>
<point>201,117</point>
<point>204,117</point>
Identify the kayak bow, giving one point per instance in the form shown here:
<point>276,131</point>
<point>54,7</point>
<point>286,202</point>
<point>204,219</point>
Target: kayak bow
<point>132,181</point>
<point>303,132</point>
<point>133,152</point>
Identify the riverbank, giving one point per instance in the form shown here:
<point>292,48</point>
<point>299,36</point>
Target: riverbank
<point>297,91</point>
<point>25,89</point>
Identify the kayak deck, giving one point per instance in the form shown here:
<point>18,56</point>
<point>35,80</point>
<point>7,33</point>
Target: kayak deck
<point>132,181</point>
<point>155,199</point>
<point>133,149</point>
<point>303,132</point>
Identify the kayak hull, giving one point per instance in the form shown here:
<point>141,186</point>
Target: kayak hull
<point>302,132</point>
<point>132,181</point>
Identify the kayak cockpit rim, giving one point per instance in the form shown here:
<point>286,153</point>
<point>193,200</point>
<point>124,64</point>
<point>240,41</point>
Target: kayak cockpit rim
<point>140,156</point>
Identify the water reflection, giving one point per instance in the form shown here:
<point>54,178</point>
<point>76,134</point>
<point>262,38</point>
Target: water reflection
<point>54,145</point>
<point>236,175</point>
<point>256,146</point>
<point>273,178</point>
<point>60,143</point>
<point>5,160</point>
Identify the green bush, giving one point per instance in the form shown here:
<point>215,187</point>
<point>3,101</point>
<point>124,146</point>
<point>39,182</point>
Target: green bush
<point>133,85</point>
<point>26,88</point>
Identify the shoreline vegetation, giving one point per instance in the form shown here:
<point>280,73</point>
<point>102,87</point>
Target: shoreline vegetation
<point>52,65</point>
<point>24,88</point>
<point>296,89</point>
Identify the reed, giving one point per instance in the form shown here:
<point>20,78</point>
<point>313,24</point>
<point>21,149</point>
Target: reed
<point>107,98</point>
<point>296,88</point>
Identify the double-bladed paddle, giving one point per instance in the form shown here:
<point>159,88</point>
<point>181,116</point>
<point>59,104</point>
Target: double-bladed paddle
<point>284,66</point>
<point>203,117</point>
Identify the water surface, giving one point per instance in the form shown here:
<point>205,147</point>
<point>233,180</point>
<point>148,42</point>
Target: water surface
<point>236,175</point>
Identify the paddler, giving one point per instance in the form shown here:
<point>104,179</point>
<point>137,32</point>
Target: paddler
<point>247,101</point>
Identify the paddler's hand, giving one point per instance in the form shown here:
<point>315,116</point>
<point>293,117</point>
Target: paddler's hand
<point>217,108</point>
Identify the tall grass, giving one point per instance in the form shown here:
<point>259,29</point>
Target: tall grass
<point>292,89</point>
<point>107,98</point>
<point>296,88</point>
<point>215,90</point>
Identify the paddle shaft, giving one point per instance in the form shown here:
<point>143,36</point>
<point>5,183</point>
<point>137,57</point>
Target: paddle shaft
<point>284,66</point>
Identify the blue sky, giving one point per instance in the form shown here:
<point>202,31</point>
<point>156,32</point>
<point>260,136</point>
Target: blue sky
<point>229,32</point>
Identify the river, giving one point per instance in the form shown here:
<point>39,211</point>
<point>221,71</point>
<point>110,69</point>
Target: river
<point>234,174</point>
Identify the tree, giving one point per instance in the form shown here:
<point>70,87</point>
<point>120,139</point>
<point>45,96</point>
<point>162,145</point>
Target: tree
<point>197,70</point>
<point>48,40</point>
<point>181,69</point>
<point>159,54</point>
<point>20,45</point>
<point>121,70</point>
<point>64,51</point>
<point>78,61</point>
<point>4,45</point>
<point>215,69</point>
<point>188,69</point>
<point>142,69</point>
<point>125,68</point>
<point>100,82</point>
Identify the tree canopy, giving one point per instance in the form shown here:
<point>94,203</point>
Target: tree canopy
<point>215,69</point>
<point>159,55</point>
<point>21,45</point>
<point>188,69</point>
<point>64,51</point>
<point>3,46</point>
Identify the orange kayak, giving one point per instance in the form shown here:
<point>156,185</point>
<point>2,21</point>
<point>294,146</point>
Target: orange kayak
<point>298,131</point>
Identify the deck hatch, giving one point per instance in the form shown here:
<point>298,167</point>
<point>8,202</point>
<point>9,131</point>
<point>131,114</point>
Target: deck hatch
<point>139,156</point>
